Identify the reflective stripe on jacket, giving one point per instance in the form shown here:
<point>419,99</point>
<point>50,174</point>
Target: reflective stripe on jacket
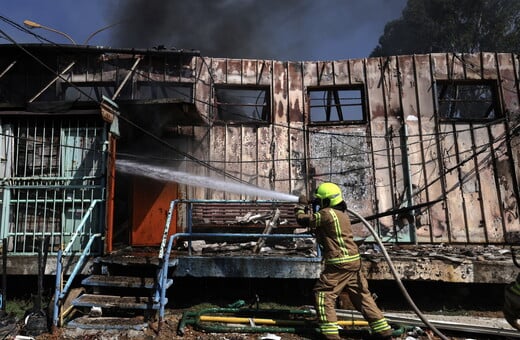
<point>333,233</point>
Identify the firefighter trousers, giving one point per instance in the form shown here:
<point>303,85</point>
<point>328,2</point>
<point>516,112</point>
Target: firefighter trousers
<point>348,278</point>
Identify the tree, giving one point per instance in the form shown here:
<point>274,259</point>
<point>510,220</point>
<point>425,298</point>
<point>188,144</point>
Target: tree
<point>464,26</point>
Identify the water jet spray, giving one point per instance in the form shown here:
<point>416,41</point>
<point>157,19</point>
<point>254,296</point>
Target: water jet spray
<point>162,173</point>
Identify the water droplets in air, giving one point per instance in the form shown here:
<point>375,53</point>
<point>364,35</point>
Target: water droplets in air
<point>166,174</point>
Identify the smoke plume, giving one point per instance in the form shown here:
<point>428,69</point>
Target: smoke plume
<point>229,28</point>
<point>256,29</point>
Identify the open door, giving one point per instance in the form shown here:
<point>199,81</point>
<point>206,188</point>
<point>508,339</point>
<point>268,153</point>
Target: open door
<point>150,203</point>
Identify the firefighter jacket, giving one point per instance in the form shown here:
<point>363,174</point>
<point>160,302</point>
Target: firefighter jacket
<point>333,234</point>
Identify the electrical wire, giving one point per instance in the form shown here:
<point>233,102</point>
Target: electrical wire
<point>127,120</point>
<point>335,135</point>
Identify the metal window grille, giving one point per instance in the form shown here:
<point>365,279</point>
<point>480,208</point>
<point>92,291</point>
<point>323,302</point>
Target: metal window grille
<point>52,170</point>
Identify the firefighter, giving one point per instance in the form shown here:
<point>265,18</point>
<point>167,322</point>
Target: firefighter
<point>342,263</point>
<point>512,303</point>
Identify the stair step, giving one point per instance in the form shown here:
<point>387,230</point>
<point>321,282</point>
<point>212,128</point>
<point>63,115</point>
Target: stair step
<point>111,301</point>
<point>122,281</point>
<point>107,323</point>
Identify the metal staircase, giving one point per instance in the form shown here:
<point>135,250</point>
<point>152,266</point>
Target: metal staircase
<point>124,285</point>
<point>126,291</point>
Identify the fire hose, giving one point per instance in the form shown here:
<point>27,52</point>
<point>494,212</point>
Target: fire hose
<point>195,317</point>
<point>250,320</point>
<point>396,277</point>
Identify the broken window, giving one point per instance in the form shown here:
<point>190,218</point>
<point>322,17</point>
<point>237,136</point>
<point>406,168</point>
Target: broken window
<point>467,101</point>
<point>85,92</point>
<point>243,105</point>
<point>336,104</point>
<point>164,90</point>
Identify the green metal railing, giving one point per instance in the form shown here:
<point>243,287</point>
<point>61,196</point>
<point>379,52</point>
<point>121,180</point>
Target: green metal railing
<point>52,175</point>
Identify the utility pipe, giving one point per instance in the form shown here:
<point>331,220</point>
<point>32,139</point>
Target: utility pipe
<point>263,321</point>
<point>396,276</point>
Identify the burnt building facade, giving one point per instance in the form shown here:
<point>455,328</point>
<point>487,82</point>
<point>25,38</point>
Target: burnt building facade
<point>426,147</point>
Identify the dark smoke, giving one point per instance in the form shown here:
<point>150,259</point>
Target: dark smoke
<point>257,29</point>
<point>231,28</point>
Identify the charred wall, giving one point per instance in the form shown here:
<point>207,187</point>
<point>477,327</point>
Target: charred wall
<point>459,167</point>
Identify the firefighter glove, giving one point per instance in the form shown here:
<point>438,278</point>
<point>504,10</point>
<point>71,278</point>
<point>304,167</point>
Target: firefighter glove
<point>300,209</point>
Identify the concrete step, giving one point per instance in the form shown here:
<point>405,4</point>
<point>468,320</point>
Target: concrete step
<point>122,281</point>
<point>111,301</point>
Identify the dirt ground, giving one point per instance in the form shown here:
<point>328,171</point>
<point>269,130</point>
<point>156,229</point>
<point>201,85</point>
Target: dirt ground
<point>169,330</point>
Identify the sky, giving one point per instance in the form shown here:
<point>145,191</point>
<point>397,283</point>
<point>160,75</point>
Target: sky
<point>296,30</point>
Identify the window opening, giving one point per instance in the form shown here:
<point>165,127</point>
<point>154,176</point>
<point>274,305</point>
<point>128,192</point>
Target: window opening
<point>164,90</point>
<point>336,105</point>
<point>86,92</point>
<point>243,105</point>
<point>465,101</point>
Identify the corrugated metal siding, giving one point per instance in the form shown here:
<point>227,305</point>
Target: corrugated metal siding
<point>467,171</point>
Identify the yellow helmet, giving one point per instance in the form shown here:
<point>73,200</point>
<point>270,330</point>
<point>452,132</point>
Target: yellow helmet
<point>329,195</point>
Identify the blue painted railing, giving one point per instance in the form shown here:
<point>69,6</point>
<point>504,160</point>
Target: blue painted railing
<point>164,251</point>
<point>59,292</point>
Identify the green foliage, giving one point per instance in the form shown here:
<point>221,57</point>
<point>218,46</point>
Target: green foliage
<point>462,26</point>
<point>18,307</point>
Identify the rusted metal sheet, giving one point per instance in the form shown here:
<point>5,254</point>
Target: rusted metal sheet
<point>472,65</point>
<point>249,71</point>
<point>310,74</point>
<point>390,82</point>
<point>280,95</point>
<point>281,171</point>
<point>217,154</point>
<point>341,72</point>
<point>264,72</point>
<point>233,156</point>
<point>298,166</point>
<point>218,70</point>
<point>234,71</point>
<point>382,140</point>
<point>456,66</point>
<point>249,155</point>
<point>469,177</point>
<point>325,73</point>
<point>295,93</point>
<point>451,166</point>
<point>414,168</point>
<point>440,66</point>
<point>357,71</point>
<point>202,87</point>
<point>265,157</point>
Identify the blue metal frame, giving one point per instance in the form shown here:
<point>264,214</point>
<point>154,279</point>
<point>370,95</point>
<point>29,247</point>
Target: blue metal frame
<point>164,254</point>
<point>59,294</point>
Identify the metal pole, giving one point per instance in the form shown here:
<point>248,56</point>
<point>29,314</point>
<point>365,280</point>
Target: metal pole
<point>57,291</point>
<point>408,184</point>
<point>4,273</point>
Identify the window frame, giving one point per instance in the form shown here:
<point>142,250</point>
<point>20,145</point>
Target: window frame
<point>446,114</point>
<point>266,113</point>
<point>361,104</point>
